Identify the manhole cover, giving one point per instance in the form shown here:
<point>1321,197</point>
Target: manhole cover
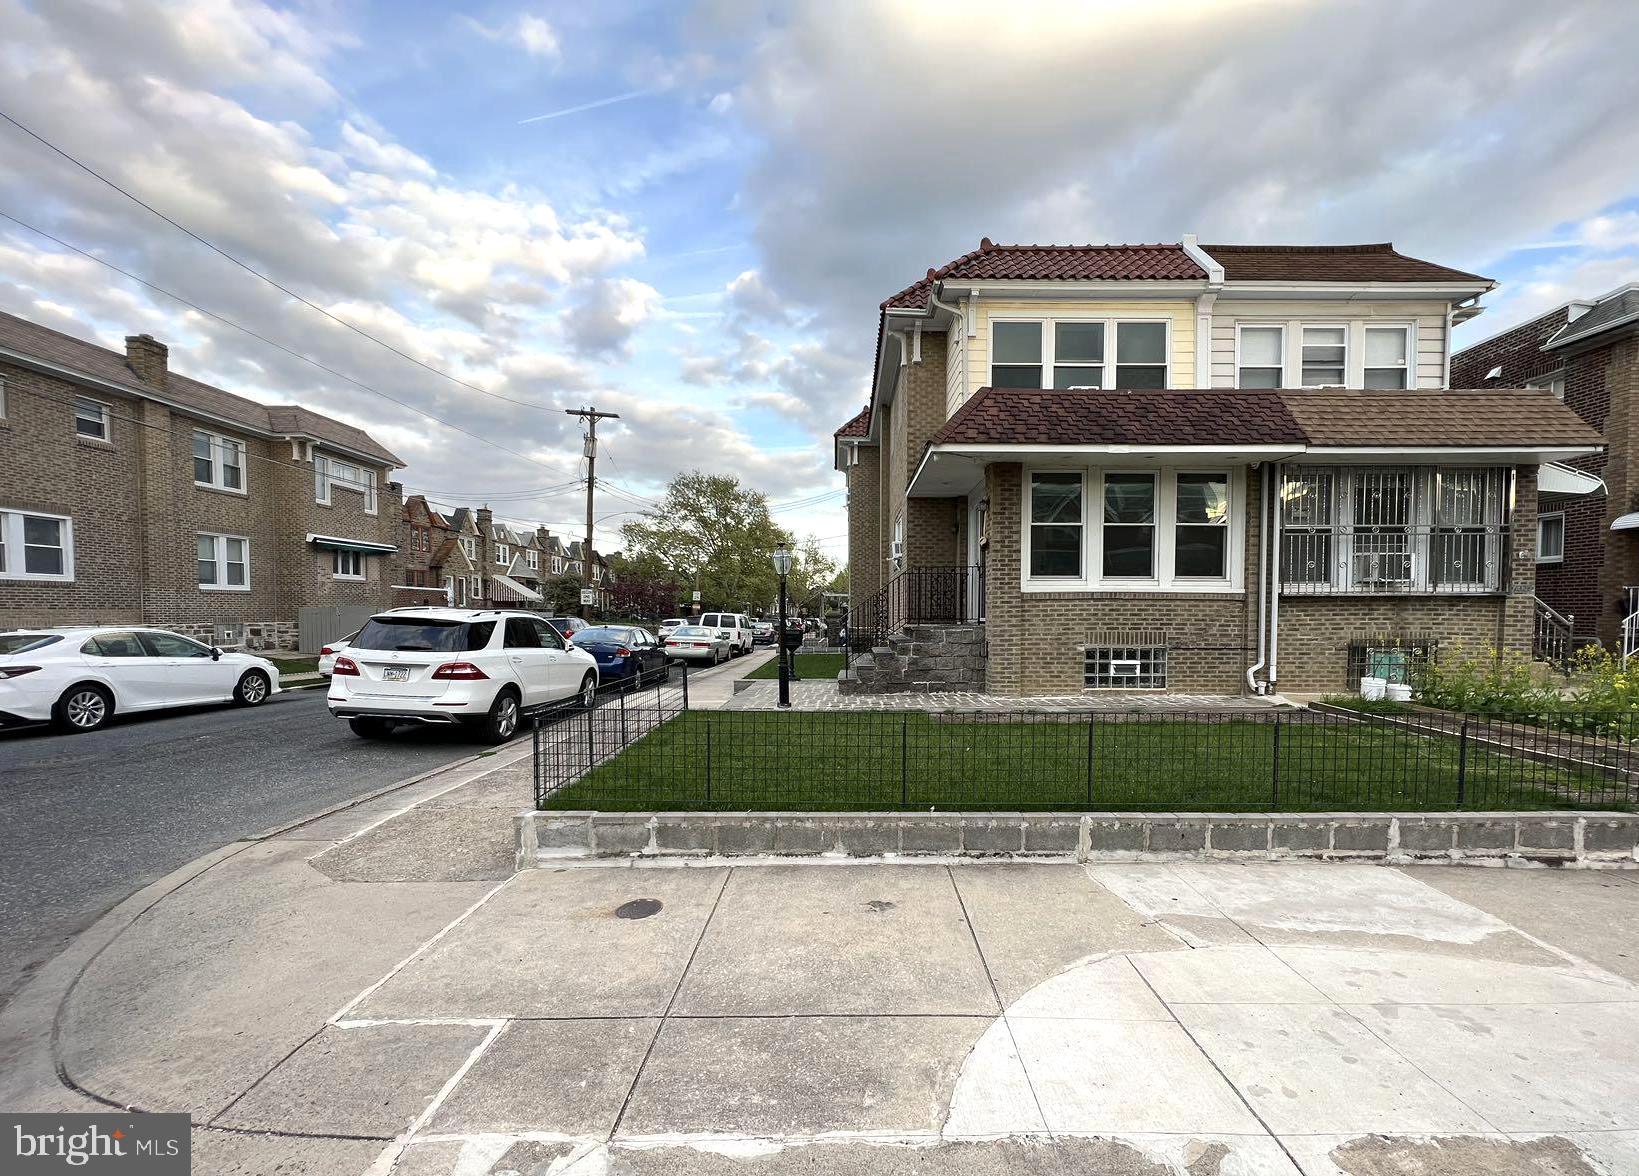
<point>878,905</point>
<point>638,908</point>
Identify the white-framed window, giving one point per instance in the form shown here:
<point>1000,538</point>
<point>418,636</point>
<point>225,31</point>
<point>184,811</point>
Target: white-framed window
<point>90,418</point>
<point>223,562</point>
<point>533,559</point>
<point>1325,354</point>
<point>348,565</point>
<point>2,399</point>
<point>1551,537</point>
<point>218,461</point>
<point>329,473</point>
<point>503,554</point>
<point>1388,357</point>
<point>469,547</point>
<point>1393,529</point>
<point>1076,352</point>
<point>557,566</point>
<point>1554,383</point>
<point>1170,529</point>
<point>36,546</point>
<point>475,588</point>
<point>1260,355</point>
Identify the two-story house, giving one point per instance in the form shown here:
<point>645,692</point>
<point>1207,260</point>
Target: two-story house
<point>1190,468</point>
<point>133,494</point>
<point>1586,353</point>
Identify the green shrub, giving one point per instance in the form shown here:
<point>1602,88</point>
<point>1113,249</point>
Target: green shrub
<point>1485,680</point>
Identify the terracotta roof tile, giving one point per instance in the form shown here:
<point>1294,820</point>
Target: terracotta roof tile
<point>1430,417</point>
<point>858,426</point>
<point>1329,263</point>
<point>1057,263</point>
<point>1175,416</point>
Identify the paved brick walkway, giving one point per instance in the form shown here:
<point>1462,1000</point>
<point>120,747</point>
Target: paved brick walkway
<point>825,696</point>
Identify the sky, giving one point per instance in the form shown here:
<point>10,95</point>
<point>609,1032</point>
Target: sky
<point>688,213</point>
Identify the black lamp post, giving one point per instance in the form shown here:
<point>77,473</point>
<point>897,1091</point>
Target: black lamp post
<point>782,565</point>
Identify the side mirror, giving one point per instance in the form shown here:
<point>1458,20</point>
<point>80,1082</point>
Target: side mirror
<point>216,654</point>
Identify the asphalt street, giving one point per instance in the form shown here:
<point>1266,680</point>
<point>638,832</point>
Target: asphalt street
<point>85,820</point>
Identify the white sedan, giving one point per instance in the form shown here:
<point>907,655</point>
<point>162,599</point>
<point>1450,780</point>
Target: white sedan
<point>77,679</point>
<point>327,655</point>
<point>698,643</point>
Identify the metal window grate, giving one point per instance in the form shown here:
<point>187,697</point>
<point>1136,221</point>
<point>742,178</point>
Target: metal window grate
<point>1125,667</point>
<point>1394,657</point>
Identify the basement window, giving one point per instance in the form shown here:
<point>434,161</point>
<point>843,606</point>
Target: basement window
<point>1125,667</point>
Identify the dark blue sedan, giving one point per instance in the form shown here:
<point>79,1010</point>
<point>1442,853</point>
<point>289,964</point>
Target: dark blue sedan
<point>632,657</point>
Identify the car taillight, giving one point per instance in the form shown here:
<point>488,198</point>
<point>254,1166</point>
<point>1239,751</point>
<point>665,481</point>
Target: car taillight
<point>345,667</point>
<point>326,651</point>
<point>623,652</point>
<point>15,671</point>
<point>459,672</point>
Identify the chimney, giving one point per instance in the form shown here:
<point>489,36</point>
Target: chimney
<point>543,537</point>
<point>486,517</point>
<point>146,356</point>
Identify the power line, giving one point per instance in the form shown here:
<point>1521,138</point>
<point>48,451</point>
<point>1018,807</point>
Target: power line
<point>256,273</point>
<point>323,367</point>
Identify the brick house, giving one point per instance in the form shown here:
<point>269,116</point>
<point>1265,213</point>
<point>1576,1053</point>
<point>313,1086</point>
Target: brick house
<point>1072,458</point>
<point>1586,353</point>
<point>132,494</point>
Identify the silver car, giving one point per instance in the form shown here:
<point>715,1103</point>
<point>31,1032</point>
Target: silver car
<point>698,643</point>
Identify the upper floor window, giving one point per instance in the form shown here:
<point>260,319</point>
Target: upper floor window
<point>534,560</point>
<point>2,399</point>
<point>223,562</point>
<point>329,473</point>
<point>469,547</point>
<point>90,418</point>
<point>218,461</point>
<point>36,546</point>
<point>1551,537</point>
<point>503,553</point>
<point>1388,357</point>
<point>1260,361</point>
<point>1071,353</point>
<point>1325,355</point>
<point>1554,384</point>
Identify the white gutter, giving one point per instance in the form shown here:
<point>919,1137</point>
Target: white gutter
<point>1263,583</point>
<point>1203,307</point>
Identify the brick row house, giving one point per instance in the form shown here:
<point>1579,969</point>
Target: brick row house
<point>466,557</point>
<point>1186,467</point>
<point>132,494</point>
<point>1586,353</point>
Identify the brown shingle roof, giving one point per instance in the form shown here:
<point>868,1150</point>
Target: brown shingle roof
<point>42,343</point>
<point>1428,417</point>
<point>1057,263</point>
<point>858,426</point>
<point>1175,416</point>
<point>1329,263</point>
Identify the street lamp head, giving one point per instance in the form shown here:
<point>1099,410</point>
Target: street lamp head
<point>783,559</point>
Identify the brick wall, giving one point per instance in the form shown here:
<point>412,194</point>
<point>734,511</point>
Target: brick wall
<point>864,528</point>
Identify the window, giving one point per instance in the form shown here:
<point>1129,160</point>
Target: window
<point>114,645</point>
<point>1325,355</point>
<point>1554,384</point>
<point>419,635</point>
<point>1393,529</point>
<point>1056,524</point>
<point>223,562</point>
<point>1125,667</point>
<point>329,473</point>
<point>1015,355</point>
<point>1129,526</point>
<point>90,418</point>
<point>36,547</point>
<point>172,645</point>
<point>1261,358</point>
<point>1201,531</point>
<point>347,565</point>
<point>1388,357</point>
<point>521,634</point>
<point>469,547</point>
<point>1078,355</point>
<point>218,461</point>
<point>1141,355</point>
<point>1551,537</point>
<point>2,400</point>
<point>503,554</point>
<point>533,558</point>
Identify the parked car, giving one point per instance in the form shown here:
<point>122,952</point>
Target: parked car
<point>630,656</point>
<point>483,668</point>
<point>762,633</point>
<point>668,627</point>
<point>568,626</point>
<point>698,643</point>
<point>77,679</point>
<point>328,652</point>
<point>733,626</point>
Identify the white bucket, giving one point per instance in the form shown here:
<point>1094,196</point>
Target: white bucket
<point>1399,692</point>
<point>1372,689</point>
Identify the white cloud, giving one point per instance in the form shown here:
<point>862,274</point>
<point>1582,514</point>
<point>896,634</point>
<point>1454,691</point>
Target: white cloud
<point>608,311</point>
<point>538,38</point>
<point>721,103</point>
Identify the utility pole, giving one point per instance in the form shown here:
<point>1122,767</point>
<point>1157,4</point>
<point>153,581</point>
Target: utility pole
<point>591,416</point>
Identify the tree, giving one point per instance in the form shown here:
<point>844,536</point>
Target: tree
<point>561,595</point>
<point>709,535</point>
<point>640,591</point>
<point>812,572</point>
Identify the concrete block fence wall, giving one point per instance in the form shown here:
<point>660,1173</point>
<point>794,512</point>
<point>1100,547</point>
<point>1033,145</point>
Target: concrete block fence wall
<point>1575,839</point>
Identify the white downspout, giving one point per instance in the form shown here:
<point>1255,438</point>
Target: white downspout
<point>1273,675</point>
<point>1203,306</point>
<point>1252,682</point>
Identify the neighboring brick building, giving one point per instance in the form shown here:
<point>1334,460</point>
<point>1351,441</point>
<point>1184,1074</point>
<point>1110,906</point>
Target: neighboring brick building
<point>130,493</point>
<point>1587,353</point>
<point>1085,447</point>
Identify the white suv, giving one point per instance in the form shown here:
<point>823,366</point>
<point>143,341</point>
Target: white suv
<point>733,626</point>
<point>481,667</point>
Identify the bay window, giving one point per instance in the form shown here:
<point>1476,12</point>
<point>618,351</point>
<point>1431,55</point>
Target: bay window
<point>1393,529</point>
<point>1079,353</point>
<point>1056,524</point>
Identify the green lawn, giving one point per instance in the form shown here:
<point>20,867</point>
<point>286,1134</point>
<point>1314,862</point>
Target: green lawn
<point>818,666</point>
<point>294,665</point>
<point>727,760</point>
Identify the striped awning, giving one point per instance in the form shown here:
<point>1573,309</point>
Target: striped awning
<point>506,588</point>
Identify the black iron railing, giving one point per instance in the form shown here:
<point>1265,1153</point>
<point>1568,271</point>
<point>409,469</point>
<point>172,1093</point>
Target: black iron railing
<point>1552,635</point>
<point>919,596</point>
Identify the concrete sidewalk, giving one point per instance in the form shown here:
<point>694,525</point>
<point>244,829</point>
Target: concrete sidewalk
<point>377,991</point>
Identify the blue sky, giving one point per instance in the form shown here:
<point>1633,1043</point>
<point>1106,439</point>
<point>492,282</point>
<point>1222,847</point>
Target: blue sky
<point>687,212</point>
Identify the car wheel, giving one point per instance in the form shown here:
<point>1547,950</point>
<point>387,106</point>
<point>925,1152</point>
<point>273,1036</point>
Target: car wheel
<point>82,708</point>
<point>368,728</point>
<point>252,689</point>
<point>588,693</point>
<point>501,723</point>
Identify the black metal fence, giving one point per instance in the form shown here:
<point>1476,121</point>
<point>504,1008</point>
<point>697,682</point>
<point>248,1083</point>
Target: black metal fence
<point>919,596</point>
<point>649,751</point>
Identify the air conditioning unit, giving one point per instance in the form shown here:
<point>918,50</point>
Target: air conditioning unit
<point>896,550</point>
<point>1382,569</point>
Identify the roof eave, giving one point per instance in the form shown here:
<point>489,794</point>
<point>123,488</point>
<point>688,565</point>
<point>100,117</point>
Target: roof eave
<point>1555,343</point>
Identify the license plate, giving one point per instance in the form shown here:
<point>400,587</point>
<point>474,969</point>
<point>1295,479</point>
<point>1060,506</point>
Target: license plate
<point>395,674</point>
